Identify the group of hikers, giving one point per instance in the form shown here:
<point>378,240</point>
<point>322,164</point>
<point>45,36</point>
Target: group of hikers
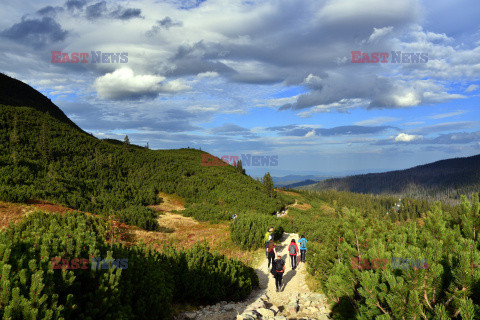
<point>278,265</point>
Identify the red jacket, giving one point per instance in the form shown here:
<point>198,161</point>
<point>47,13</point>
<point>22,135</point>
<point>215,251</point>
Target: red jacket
<point>296,248</point>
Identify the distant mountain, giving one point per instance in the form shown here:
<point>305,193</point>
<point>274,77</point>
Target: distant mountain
<point>16,93</point>
<point>293,179</point>
<point>441,180</point>
<point>301,184</point>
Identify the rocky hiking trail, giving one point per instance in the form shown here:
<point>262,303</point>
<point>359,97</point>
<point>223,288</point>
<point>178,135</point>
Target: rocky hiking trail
<point>294,302</point>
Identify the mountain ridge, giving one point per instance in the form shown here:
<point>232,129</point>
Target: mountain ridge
<point>447,178</point>
<point>16,93</point>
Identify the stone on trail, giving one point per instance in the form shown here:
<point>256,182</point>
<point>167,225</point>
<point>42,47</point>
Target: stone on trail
<point>292,307</point>
<point>257,304</point>
<point>313,310</point>
<point>266,312</point>
<point>229,307</point>
<point>190,315</point>
<point>280,318</point>
<point>274,309</point>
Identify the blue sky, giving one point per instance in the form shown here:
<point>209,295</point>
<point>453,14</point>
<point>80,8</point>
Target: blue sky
<point>269,78</point>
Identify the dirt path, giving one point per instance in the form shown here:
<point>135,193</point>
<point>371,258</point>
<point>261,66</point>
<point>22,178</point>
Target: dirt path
<point>294,302</point>
<point>293,280</point>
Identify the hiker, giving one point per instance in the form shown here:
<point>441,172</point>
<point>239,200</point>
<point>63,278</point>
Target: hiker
<point>293,250</point>
<point>303,248</point>
<point>278,268</point>
<point>234,216</point>
<point>268,237</point>
<point>270,253</point>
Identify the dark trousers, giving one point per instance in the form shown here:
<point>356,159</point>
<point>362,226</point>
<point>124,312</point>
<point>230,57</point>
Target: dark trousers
<point>293,260</point>
<point>271,257</point>
<point>302,255</point>
<point>278,280</point>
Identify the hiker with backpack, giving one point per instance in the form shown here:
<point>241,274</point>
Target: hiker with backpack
<point>278,268</point>
<point>293,250</point>
<point>270,253</point>
<point>303,248</point>
<point>268,237</point>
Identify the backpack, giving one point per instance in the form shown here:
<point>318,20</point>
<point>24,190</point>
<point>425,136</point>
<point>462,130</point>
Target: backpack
<point>279,265</point>
<point>292,249</point>
<point>270,249</point>
<point>268,236</point>
<point>303,244</point>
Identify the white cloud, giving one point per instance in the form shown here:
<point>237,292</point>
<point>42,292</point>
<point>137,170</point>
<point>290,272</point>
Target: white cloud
<point>310,134</point>
<point>174,86</point>
<point>379,33</point>
<point>405,137</point>
<point>471,88</point>
<point>124,84</point>
<point>448,115</point>
<point>208,74</point>
<point>413,123</point>
<point>313,81</point>
<point>376,121</point>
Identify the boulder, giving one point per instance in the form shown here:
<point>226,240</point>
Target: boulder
<point>264,297</point>
<point>275,309</point>
<point>189,315</point>
<point>292,307</point>
<point>265,312</point>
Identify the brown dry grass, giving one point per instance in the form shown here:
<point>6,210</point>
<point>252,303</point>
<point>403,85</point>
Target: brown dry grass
<point>169,202</point>
<point>290,193</point>
<point>10,213</point>
<point>14,212</point>
<point>175,229</point>
<point>185,232</point>
<point>303,206</point>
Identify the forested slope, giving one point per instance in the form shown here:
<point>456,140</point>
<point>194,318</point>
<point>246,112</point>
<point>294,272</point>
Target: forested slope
<point>45,156</point>
<point>422,263</point>
<point>442,180</point>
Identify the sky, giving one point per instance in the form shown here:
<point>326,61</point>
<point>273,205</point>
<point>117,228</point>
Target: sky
<point>295,80</point>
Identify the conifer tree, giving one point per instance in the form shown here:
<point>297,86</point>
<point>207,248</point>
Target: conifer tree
<point>239,167</point>
<point>268,185</point>
<point>126,143</point>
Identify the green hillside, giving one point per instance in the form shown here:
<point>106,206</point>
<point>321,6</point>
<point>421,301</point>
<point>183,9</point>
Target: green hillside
<point>45,156</point>
<point>445,180</point>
